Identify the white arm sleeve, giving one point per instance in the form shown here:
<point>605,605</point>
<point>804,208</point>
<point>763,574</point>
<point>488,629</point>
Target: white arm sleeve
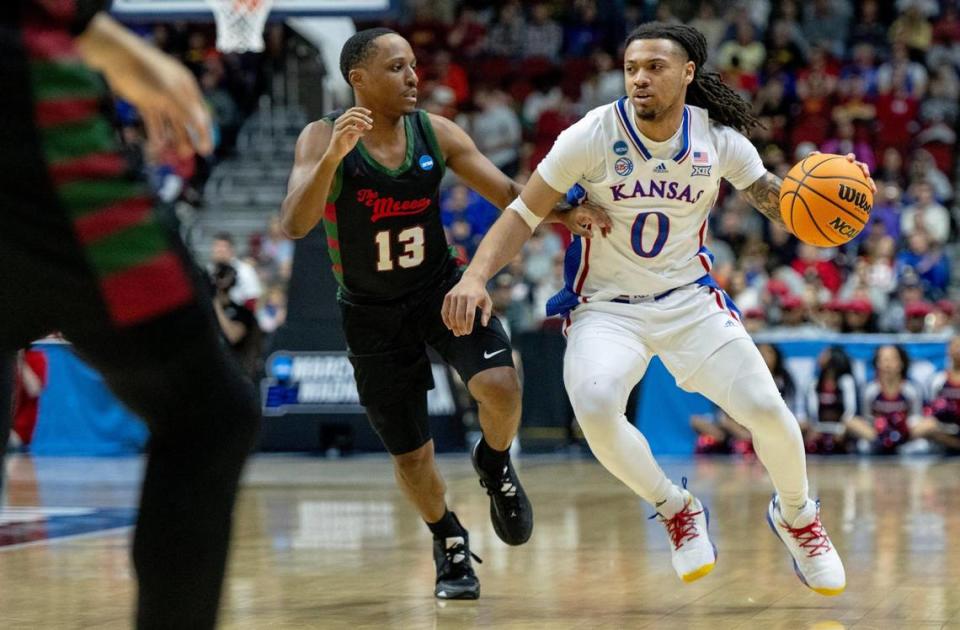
<point>574,156</point>
<point>848,387</point>
<point>740,162</point>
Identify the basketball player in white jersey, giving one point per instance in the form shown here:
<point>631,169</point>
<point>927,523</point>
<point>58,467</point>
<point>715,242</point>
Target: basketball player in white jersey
<point>654,161</point>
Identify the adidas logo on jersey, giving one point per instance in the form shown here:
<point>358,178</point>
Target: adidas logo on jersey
<point>661,168</point>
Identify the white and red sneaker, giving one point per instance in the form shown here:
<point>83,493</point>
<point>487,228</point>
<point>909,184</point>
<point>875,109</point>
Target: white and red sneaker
<point>815,559</point>
<point>692,554</point>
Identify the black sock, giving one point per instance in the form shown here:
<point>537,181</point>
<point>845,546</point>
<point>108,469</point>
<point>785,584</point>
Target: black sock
<point>447,527</point>
<point>492,461</point>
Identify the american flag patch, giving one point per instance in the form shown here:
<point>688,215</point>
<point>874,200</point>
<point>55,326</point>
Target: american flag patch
<point>700,157</point>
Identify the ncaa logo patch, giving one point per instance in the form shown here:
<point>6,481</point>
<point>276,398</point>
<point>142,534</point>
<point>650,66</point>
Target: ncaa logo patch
<point>623,167</point>
<point>620,147</point>
<point>426,162</point>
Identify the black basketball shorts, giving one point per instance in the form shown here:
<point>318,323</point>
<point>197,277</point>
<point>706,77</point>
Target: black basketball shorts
<point>388,349</point>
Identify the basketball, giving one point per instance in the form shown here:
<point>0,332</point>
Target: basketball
<point>825,200</point>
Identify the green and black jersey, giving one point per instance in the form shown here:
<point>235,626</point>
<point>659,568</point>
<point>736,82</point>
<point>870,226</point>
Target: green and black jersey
<point>384,233</point>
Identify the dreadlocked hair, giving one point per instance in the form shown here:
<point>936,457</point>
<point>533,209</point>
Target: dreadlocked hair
<point>707,89</point>
<point>358,49</point>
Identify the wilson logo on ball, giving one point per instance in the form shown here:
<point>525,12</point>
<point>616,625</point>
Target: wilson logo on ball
<point>857,198</point>
<point>844,228</point>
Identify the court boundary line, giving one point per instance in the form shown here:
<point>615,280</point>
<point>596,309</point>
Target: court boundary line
<point>68,537</point>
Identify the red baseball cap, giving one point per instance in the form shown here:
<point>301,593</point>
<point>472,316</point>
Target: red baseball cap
<point>918,309</point>
<point>791,301</point>
<point>859,305</point>
<point>777,287</point>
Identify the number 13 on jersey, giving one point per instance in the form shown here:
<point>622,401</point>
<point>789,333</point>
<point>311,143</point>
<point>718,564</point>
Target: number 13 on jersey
<point>411,241</point>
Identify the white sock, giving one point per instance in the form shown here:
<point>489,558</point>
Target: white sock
<point>672,501</point>
<point>799,515</point>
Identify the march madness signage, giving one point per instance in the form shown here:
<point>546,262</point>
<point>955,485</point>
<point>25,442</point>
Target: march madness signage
<point>322,382</point>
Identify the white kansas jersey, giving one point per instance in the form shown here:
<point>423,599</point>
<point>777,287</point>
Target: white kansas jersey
<point>658,196</point>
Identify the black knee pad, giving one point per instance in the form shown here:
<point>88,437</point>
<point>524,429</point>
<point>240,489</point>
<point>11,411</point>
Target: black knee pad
<point>403,425</point>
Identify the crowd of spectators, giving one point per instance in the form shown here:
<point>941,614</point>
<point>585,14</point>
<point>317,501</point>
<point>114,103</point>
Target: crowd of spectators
<point>895,410</point>
<point>248,280</point>
<point>231,84</point>
<point>879,79</point>
<point>875,78</point>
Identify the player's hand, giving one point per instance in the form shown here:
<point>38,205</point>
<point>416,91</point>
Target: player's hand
<point>863,167</point>
<point>866,171</point>
<point>170,103</point>
<point>581,219</point>
<point>461,303</point>
<point>164,92</point>
<point>348,130</point>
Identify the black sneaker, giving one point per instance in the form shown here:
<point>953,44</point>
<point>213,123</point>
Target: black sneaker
<point>455,576</point>
<point>510,509</point>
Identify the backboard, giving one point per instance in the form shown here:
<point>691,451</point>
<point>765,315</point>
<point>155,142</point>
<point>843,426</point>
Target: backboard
<point>197,10</point>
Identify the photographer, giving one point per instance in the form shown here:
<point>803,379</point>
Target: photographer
<point>238,324</point>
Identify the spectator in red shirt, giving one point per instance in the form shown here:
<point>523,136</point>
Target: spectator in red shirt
<point>816,88</point>
<point>809,258</point>
<point>452,75</point>
<point>896,116</point>
<point>31,379</point>
<point>946,30</point>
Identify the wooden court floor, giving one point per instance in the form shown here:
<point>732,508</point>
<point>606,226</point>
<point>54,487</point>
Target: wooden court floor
<point>331,544</point>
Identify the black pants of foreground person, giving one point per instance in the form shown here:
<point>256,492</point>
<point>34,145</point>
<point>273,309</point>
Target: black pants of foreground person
<point>98,265</point>
<point>201,412</point>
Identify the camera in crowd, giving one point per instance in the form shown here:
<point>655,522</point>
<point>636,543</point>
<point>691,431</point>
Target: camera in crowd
<point>222,278</point>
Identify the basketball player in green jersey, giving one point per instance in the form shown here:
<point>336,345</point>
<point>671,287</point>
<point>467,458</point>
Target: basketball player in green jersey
<point>372,175</point>
<point>83,252</point>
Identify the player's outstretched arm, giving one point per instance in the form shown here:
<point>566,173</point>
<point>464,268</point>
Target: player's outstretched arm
<point>471,166</point>
<point>764,194</point>
<point>479,173</point>
<point>162,90</point>
<point>320,149</point>
<point>498,247</point>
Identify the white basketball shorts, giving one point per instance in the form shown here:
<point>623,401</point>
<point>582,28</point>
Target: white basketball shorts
<point>683,329</point>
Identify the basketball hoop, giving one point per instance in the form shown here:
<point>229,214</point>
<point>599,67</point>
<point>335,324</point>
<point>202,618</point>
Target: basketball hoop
<point>240,24</point>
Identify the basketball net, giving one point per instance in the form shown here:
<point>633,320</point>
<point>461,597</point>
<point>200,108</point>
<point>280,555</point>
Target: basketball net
<point>240,24</point>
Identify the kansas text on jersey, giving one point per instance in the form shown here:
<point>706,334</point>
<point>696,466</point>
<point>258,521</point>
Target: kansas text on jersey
<point>658,196</point>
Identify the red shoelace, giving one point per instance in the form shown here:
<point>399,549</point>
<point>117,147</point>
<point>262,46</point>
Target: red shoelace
<point>682,526</point>
<point>812,538</point>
